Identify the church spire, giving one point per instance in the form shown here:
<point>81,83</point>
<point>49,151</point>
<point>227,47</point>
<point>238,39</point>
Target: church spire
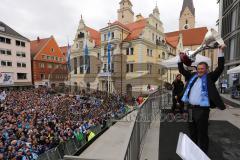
<point>189,4</point>
<point>187,15</point>
<point>156,12</point>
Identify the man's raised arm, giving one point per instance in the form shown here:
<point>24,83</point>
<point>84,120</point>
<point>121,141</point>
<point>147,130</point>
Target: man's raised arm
<point>182,70</point>
<point>220,68</point>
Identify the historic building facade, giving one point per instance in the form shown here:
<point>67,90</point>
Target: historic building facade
<point>15,59</point>
<point>137,47</point>
<point>48,63</point>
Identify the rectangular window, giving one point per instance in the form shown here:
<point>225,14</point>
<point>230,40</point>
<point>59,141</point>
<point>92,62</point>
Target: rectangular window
<point>127,51</point>
<point>105,68</point>
<point>21,76</point>
<point>21,54</point>
<point>3,63</point>
<point>9,52</point>
<point>98,56</point>
<point>48,57</point>
<point>43,57</point>
<point>8,41</point>
<point>132,51</point>
<point>23,44</point>
<point>105,37</point>
<point>147,52</point>
<point>112,67</point>
<point>149,68</point>
<point>75,65</point>
<point>6,63</point>
<point>81,61</point>
<point>112,35</point>
<point>2,39</point>
<point>19,65</point>
<point>9,64</point>
<point>18,43</point>
<point>52,57</point>
<point>42,65</point>
<point>129,68</point>
<point>56,58</point>
<point>2,51</point>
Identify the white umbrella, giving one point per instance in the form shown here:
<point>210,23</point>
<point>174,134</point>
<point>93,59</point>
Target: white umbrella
<point>234,70</point>
<point>173,62</point>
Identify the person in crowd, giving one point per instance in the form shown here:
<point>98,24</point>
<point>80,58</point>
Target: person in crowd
<point>178,86</point>
<point>201,94</point>
<point>33,121</point>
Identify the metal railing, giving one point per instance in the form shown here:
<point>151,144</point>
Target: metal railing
<point>69,147</point>
<point>155,103</point>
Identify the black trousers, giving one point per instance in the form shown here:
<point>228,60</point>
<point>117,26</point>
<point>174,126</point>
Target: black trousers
<point>174,106</point>
<point>198,127</point>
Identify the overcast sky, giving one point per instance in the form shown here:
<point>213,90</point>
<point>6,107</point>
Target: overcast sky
<point>60,18</point>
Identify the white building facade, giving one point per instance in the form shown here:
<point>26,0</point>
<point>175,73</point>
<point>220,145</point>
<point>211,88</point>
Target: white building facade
<point>15,59</point>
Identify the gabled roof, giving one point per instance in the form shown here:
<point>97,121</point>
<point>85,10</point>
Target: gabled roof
<point>189,4</point>
<point>172,41</point>
<point>194,36</point>
<point>94,35</point>
<point>37,45</point>
<point>136,29</point>
<point>9,31</point>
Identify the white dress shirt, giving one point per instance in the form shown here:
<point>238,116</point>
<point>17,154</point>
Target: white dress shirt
<point>195,92</point>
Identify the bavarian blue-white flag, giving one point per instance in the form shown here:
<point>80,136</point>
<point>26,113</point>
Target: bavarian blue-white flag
<point>86,56</point>
<point>68,57</point>
<point>109,52</point>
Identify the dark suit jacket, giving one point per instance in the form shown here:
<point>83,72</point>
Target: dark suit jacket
<point>212,77</point>
<point>178,87</point>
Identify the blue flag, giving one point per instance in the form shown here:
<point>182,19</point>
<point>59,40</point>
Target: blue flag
<point>68,57</point>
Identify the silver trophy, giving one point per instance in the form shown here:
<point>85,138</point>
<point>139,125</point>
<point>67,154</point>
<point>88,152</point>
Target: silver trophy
<point>212,40</point>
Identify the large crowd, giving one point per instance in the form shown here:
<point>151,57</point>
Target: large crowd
<point>33,121</point>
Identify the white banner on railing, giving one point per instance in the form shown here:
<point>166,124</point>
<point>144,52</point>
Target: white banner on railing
<point>6,78</point>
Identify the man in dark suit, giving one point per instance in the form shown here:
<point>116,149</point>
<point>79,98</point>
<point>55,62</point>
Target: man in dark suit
<point>176,93</point>
<point>201,94</point>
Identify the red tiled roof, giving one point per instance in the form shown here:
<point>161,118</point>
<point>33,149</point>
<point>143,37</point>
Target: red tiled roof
<point>173,41</point>
<point>37,45</point>
<point>95,35</point>
<point>136,29</point>
<point>191,37</point>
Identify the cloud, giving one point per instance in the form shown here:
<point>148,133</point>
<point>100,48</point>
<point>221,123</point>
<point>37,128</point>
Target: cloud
<point>60,18</point>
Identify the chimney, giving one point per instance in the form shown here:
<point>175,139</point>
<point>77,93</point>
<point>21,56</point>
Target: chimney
<point>38,39</point>
<point>139,17</point>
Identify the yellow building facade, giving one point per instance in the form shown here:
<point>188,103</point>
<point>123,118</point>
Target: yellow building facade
<point>137,47</point>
